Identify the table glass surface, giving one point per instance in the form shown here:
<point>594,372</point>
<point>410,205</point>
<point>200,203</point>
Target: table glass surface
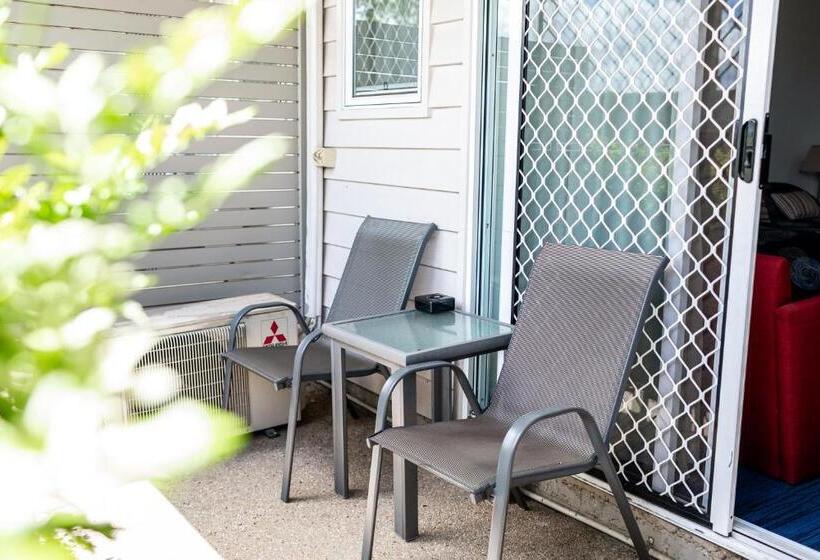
<point>414,331</point>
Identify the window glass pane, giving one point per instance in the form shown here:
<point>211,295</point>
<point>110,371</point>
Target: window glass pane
<point>385,46</point>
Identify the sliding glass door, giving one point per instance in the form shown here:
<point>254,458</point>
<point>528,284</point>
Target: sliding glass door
<point>620,123</point>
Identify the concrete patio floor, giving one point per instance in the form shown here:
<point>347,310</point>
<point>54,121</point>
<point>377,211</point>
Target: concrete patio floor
<point>236,507</point>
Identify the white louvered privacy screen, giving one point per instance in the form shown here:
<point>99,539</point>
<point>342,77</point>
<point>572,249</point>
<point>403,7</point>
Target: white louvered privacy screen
<point>251,244</point>
<point>627,116</point>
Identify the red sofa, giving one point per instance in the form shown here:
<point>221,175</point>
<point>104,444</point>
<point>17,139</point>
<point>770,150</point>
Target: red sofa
<point>781,416</point>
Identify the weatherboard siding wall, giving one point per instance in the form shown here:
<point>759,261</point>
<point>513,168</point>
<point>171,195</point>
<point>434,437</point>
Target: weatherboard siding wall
<point>413,169</point>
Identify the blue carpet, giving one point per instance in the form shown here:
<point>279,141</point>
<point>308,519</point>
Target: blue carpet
<point>789,511</point>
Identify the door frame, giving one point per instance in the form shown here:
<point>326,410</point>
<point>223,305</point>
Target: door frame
<point>511,157</point>
<point>755,105</point>
<point>313,180</point>
<point>743,238</point>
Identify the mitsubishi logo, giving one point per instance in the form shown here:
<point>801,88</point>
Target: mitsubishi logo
<point>275,335</point>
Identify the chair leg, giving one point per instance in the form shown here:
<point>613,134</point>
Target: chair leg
<point>623,505</point>
<point>372,502</point>
<point>499,522</point>
<point>226,381</point>
<point>290,438</point>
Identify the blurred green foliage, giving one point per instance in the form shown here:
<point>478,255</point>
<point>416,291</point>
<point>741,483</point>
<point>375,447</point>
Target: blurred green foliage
<point>75,205</point>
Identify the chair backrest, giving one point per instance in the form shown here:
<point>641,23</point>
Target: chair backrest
<point>574,342</point>
<point>380,269</point>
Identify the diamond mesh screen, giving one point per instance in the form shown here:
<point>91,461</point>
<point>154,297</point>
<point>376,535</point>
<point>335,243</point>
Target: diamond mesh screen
<point>385,46</point>
<point>626,142</point>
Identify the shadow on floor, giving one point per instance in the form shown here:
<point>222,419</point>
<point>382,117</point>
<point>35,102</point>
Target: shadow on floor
<point>236,507</point>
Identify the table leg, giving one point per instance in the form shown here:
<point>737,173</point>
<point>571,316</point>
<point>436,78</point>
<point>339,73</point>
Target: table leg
<point>405,473</point>
<point>337,383</point>
<point>442,397</point>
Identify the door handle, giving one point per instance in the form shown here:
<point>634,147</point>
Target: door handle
<point>747,151</point>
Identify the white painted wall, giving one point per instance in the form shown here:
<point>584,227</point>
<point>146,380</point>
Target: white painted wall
<point>415,169</point>
<point>408,169</point>
<point>795,104</point>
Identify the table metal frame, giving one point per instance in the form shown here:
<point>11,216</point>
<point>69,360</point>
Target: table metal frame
<point>404,406</point>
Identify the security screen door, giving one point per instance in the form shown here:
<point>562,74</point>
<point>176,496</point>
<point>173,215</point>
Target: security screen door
<point>627,116</point>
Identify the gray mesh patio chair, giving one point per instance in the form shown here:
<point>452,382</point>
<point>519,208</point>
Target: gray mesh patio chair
<point>377,279</point>
<point>557,396</point>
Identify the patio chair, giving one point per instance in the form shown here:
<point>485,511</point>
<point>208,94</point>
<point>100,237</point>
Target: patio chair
<point>377,279</point>
<point>557,396</point>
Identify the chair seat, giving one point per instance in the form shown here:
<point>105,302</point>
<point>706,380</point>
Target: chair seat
<point>465,452</point>
<point>276,363</point>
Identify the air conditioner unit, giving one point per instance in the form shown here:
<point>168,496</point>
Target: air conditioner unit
<point>191,338</point>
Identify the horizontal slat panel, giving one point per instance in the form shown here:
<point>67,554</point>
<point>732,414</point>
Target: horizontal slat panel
<point>85,18</point>
<point>211,145</point>
<point>247,70</point>
<point>102,15</point>
<point>194,163</point>
<point>264,181</point>
<point>251,90</point>
<point>270,109</point>
<point>263,127</point>
<point>252,217</point>
<point>112,41</point>
<point>235,89</point>
<point>231,271</point>
<point>262,199</point>
<point>206,237</point>
<point>171,258</point>
<point>177,8</point>
<point>252,243</point>
<point>289,287</point>
<point>183,163</point>
<point>273,181</point>
<point>223,144</point>
<point>135,18</point>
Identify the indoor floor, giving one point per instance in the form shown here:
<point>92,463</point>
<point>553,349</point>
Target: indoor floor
<point>786,510</point>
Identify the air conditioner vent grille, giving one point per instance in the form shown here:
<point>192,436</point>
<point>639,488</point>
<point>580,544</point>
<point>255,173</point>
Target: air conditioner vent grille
<point>195,355</point>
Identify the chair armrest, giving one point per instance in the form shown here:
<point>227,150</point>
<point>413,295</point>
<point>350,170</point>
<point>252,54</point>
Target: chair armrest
<point>797,351</point>
<point>237,320</point>
<point>394,380</point>
<point>310,338</point>
<point>516,432</point>
<point>796,397</point>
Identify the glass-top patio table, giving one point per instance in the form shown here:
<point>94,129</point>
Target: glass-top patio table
<point>397,340</point>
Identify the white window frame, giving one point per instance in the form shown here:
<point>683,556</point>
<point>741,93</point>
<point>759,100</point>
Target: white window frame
<point>378,104</point>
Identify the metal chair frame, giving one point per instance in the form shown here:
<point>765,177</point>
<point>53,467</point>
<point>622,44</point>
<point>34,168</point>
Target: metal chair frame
<point>505,483</point>
<point>310,337</point>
